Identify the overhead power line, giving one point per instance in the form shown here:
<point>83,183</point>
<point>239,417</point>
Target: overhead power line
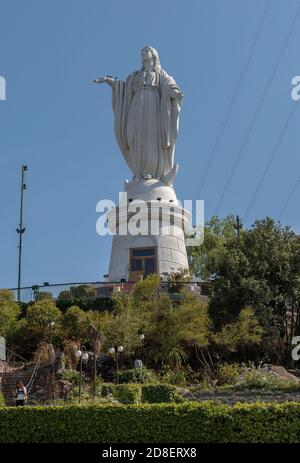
<point>271,159</point>
<point>233,100</point>
<point>289,198</point>
<point>257,111</point>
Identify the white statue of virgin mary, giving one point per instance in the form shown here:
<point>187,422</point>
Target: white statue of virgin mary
<point>146,108</point>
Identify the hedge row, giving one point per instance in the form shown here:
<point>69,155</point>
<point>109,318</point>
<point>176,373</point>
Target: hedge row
<point>137,393</point>
<point>152,423</point>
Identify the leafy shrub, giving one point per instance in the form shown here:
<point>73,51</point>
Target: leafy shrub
<point>128,393</point>
<point>190,422</point>
<point>107,389</point>
<point>2,401</point>
<point>160,393</point>
<point>228,373</point>
<point>74,397</point>
<point>255,378</point>
<point>72,376</point>
<point>177,377</point>
<point>248,376</point>
<point>261,379</point>
<point>136,375</point>
<point>124,393</point>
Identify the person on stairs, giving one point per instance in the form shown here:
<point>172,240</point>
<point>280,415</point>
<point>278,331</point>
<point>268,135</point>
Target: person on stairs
<point>20,394</point>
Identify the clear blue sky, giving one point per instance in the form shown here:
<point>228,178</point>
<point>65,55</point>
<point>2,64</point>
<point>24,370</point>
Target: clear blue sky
<point>61,125</point>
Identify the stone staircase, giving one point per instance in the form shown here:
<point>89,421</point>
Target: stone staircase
<point>10,378</point>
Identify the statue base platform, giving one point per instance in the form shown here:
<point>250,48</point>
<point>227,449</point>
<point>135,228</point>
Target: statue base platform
<point>148,230</point>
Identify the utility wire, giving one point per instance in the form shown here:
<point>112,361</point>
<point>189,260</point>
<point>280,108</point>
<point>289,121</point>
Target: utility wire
<point>257,111</point>
<point>233,100</point>
<point>293,191</point>
<point>273,154</point>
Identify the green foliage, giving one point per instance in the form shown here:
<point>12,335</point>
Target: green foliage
<point>136,375</point>
<point>107,389</point>
<point>229,373</point>
<point>172,329</point>
<point>261,378</point>
<point>99,304</point>
<point>72,376</point>
<point>74,323</point>
<point>41,313</point>
<point>123,393</point>
<point>176,280</point>
<point>41,295</point>
<point>160,393</point>
<point>173,423</point>
<point>25,338</point>
<point>82,291</point>
<point>147,290</point>
<point>204,259</point>
<point>9,312</point>
<point>34,329</point>
<point>255,379</point>
<point>177,377</point>
<point>260,269</point>
<point>2,401</point>
<point>75,395</point>
<point>241,377</point>
<point>245,331</point>
<point>123,326</point>
<point>128,393</point>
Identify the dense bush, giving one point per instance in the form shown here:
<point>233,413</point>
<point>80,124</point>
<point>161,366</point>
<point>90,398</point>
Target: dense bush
<point>107,389</point>
<point>128,393</point>
<point>2,401</point>
<point>159,393</point>
<point>187,423</point>
<point>136,375</point>
<point>136,393</point>
<point>261,378</point>
<point>99,304</point>
<point>72,376</point>
<point>228,373</point>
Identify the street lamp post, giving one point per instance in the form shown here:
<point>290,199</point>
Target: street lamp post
<point>82,355</point>
<point>142,338</point>
<point>20,230</point>
<point>50,326</point>
<point>116,350</point>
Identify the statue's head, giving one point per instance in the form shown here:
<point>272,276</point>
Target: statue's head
<point>150,53</point>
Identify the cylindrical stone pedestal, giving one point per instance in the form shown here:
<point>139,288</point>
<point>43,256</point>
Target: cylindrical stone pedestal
<point>148,232</point>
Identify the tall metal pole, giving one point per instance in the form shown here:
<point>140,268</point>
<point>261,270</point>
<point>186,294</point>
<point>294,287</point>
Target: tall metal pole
<point>117,362</point>
<point>238,226</point>
<point>20,230</point>
<point>80,378</point>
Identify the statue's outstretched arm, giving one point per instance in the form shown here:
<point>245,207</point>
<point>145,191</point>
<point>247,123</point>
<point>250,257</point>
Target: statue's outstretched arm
<point>108,80</point>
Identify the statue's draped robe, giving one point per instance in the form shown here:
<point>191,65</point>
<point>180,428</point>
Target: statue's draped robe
<point>146,121</point>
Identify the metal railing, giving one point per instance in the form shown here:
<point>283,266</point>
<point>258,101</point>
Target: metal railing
<point>30,383</point>
<point>96,289</point>
<point>11,356</point>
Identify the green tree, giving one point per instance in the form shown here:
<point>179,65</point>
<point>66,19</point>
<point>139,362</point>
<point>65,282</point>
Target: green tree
<point>9,312</point>
<point>124,324</point>
<point>203,259</point>
<point>174,329</point>
<point>245,332</point>
<point>260,269</point>
<point>41,313</point>
<point>82,291</point>
<point>74,323</point>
